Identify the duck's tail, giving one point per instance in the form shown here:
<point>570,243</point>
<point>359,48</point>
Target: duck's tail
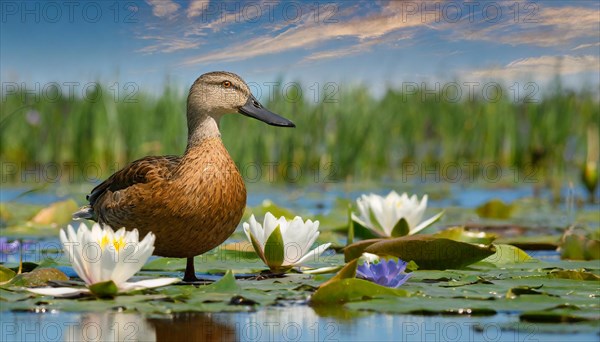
<point>86,212</point>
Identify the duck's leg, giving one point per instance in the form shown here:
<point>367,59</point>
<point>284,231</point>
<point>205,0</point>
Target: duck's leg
<point>190,273</point>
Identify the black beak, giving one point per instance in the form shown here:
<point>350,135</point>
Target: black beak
<point>254,109</point>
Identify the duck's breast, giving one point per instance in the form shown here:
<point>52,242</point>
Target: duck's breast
<point>204,202</point>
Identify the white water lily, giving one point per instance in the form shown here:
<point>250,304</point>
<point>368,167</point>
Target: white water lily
<point>102,255</point>
<point>393,215</point>
<point>283,244</point>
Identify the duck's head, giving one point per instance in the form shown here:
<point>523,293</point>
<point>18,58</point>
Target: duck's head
<point>218,93</point>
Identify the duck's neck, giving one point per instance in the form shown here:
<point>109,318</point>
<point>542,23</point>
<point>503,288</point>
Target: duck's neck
<point>200,128</point>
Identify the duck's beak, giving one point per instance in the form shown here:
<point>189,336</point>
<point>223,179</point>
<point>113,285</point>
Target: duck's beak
<point>254,109</point>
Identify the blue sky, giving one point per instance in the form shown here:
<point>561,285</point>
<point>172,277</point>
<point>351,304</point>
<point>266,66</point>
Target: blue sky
<point>374,43</point>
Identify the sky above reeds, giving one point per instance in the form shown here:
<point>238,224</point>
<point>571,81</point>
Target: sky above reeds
<point>376,43</point>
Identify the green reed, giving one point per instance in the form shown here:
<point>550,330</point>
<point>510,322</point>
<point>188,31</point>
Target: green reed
<point>353,136</point>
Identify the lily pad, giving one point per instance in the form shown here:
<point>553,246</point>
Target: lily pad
<point>38,277</point>
<point>495,209</point>
<point>352,289</point>
<point>6,274</point>
<point>560,316</point>
<point>573,274</point>
<point>579,246</point>
<point>507,254</point>
<point>461,234</point>
<point>356,249</point>
<point>225,284</point>
<point>429,252</point>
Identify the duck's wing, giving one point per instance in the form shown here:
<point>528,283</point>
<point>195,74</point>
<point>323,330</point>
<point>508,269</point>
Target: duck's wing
<point>145,170</point>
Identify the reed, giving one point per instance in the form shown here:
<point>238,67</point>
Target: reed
<point>358,137</point>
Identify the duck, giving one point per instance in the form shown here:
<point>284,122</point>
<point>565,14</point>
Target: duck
<point>192,203</point>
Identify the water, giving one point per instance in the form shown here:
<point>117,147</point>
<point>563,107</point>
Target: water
<point>293,322</point>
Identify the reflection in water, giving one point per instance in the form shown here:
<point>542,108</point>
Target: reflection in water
<point>286,323</point>
<point>134,327</point>
<point>192,327</point>
<point>110,326</point>
<point>273,323</point>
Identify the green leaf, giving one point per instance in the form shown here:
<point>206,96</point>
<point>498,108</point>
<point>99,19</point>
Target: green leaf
<point>578,246</point>
<point>353,289</point>
<point>258,248</point>
<point>348,271</point>
<point>507,254</point>
<point>38,277</point>
<point>559,316</point>
<point>573,274</point>
<point>524,290</point>
<point>419,305</point>
<point>431,253</point>
<point>105,289</point>
<point>495,209</point>
<point>6,274</point>
<point>401,228</point>
<point>460,234</point>
<point>274,250</point>
<point>356,249</point>
<point>226,284</point>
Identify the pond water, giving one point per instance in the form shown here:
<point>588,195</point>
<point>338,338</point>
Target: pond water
<point>293,321</point>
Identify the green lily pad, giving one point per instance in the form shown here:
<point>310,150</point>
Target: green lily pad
<point>352,289</point>
<point>6,274</point>
<point>431,253</point>
<point>573,274</point>
<point>38,277</point>
<point>560,316</point>
<point>495,209</point>
<point>356,249</point>
<point>226,284</point>
<point>524,290</point>
<point>579,246</point>
<point>507,254</point>
<point>427,306</point>
<point>348,271</point>
<point>463,235</point>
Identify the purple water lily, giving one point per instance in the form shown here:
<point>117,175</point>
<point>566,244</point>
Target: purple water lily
<point>8,247</point>
<point>386,273</point>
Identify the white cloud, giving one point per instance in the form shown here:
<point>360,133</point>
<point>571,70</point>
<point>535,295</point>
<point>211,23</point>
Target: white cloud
<point>360,47</point>
<point>546,27</point>
<point>541,68</point>
<point>163,8</point>
<point>196,8</point>
<point>585,46</point>
<point>167,45</point>
<point>310,34</point>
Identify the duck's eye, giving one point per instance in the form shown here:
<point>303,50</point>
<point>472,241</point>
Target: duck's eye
<point>226,84</point>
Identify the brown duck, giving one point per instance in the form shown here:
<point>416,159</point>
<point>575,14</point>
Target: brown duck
<point>194,202</point>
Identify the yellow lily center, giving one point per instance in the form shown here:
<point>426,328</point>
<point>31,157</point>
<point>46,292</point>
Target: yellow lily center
<point>104,240</point>
<point>118,243</point>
